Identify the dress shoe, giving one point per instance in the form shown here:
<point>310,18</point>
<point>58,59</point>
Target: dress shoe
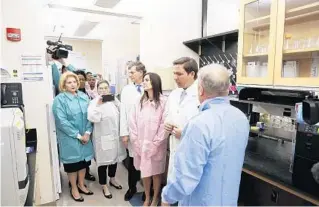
<point>85,193</point>
<point>129,194</point>
<point>81,199</point>
<point>107,196</point>
<point>119,187</point>
<point>89,177</point>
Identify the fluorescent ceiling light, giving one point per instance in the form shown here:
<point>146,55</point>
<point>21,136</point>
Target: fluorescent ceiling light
<point>85,28</point>
<point>106,3</point>
<point>92,11</point>
<point>78,3</point>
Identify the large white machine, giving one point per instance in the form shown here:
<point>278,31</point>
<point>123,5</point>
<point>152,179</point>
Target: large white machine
<point>14,167</point>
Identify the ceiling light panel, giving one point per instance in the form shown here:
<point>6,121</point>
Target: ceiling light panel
<point>59,21</point>
<point>74,3</point>
<point>85,28</point>
<point>106,3</point>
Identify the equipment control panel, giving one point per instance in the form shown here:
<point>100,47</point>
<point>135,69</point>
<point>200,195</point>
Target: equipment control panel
<point>312,129</point>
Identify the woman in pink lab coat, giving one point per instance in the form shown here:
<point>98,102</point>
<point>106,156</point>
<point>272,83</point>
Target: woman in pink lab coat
<point>148,137</point>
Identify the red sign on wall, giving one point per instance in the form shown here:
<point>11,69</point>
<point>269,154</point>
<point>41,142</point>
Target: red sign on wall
<point>13,34</point>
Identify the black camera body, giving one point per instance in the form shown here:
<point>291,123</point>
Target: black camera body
<point>108,98</point>
<point>59,50</point>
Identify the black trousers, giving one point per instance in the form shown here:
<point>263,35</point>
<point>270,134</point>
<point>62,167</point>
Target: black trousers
<point>133,174</point>
<point>87,172</point>
<point>102,173</point>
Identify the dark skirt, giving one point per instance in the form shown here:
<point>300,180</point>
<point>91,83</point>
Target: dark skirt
<point>74,167</point>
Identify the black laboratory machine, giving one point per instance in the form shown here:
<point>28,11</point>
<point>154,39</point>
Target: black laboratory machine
<point>306,157</point>
<point>283,147</point>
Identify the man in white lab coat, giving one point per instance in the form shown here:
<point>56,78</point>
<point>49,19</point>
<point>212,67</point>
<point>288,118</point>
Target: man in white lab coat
<point>182,103</point>
<point>129,96</point>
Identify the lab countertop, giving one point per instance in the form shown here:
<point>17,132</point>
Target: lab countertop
<point>270,157</point>
<point>270,160</point>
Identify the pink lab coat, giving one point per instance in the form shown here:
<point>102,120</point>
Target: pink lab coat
<point>146,128</point>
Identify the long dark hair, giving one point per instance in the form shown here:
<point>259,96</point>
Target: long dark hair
<point>156,83</point>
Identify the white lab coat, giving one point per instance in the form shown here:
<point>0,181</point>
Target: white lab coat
<point>180,114</point>
<point>129,97</point>
<point>108,147</point>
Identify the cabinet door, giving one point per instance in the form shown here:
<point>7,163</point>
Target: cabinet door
<point>297,46</point>
<point>256,44</point>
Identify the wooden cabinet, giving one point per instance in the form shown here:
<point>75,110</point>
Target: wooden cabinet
<point>255,192</point>
<point>279,43</point>
<point>256,42</point>
<point>297,43</point>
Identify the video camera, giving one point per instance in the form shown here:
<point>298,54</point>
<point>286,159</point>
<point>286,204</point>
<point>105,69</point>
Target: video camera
<point>59,50</point>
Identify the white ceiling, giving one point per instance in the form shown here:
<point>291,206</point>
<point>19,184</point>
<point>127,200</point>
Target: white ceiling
<point>72,17</point>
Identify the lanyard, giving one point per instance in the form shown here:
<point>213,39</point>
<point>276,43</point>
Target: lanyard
<point>209,102</point>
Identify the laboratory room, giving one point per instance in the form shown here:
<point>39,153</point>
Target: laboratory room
<point>159,102</point>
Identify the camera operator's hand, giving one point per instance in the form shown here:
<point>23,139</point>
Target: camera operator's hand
<point>63,61</point>
<point>49,57</point>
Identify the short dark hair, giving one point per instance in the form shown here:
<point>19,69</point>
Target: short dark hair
<point>189,65</point>
<point>87,73</point>
<point>80,72</point>
<point>129,64</point>
<point>140,67</point>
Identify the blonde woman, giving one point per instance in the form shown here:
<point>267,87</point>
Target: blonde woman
<point>73,133</point>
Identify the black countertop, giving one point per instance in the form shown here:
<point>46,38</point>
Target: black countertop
<point>270,157</point>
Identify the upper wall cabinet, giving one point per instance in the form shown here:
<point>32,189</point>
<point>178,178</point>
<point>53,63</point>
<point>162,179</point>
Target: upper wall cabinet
<point>256,42</point>
<point>279,43</point>
<point>297,46</point>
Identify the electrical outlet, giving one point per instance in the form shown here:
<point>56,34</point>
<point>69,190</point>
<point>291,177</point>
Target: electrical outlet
<point>274,196</point>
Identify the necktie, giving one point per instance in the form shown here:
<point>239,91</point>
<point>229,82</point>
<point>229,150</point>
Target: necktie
<point>139,88</point>
<point>183,95</point>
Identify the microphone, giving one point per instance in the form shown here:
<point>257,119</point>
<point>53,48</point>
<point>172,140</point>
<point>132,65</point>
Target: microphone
<point>50,43</point>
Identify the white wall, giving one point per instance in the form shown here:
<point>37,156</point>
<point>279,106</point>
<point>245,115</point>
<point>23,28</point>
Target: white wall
<point>26,15</point>
<point>222,16</point>
<point>120,44</point>
<point>1,33</point>
<point>165,25</point>
<point>90,49</point>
